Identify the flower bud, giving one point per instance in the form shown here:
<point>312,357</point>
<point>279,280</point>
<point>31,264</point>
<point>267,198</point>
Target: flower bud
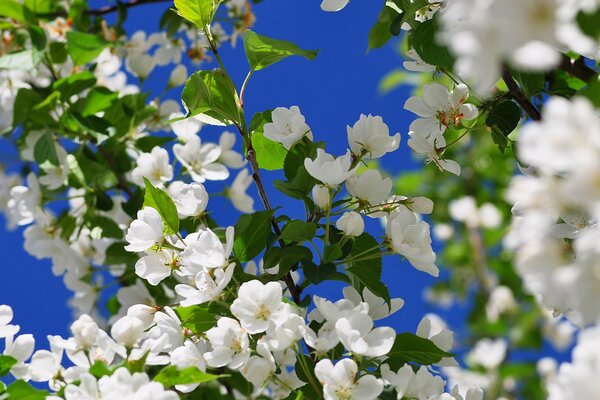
<point>320,195</point>
<point>421,205</point>
<point>127,330</point>
<point>178,76</point>
<point>85,331</point>
<point>351,223</point>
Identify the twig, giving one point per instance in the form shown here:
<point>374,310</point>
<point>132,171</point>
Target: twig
<point>577,68</point>
<point>519,96</point>
<point>110,9</point>
<point>122,183</point>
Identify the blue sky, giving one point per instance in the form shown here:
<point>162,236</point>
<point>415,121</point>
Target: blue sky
<point>332,91</point>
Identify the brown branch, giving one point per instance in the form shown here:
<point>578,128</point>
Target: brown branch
<point>519,96</point>
<point>122,183</point>
<point>577,68</point>
<point>110,9</point>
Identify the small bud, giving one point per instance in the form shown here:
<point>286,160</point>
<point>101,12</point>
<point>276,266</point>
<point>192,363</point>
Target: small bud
<point>321,197</point>
<point>178,76</point>
<point>351,223</point>
<point>127,330</point>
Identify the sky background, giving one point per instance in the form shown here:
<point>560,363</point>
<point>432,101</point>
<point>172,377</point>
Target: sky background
<point>331,91</point>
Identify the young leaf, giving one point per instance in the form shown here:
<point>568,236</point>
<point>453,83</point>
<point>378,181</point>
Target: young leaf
<point>171,376</point>
<point>504,115</point>
<point>251,234</point>
<point>44,151</point>
<point>298,231</point>
<point>425,43</point>
<point>161,202</point>
<point>6,363</point>
<point>412,348</point>
<point>13,9</point>
<point>209,95</point>
<point>199,12</point>
<point>74,84</point>
<point>270,155</point>
<point>197,318</point>
<point>85,47</point>
<point>262,51</point>
<point>24,391</point>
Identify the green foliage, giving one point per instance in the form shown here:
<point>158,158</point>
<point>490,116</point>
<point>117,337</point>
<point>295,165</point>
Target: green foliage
<point>588,23</point>
<point>198,318</point>
<point>171,376</point>
<point>425,42</point>
<point>210,95</point>
<point>298,231</point>
<point>305,369</point>
<point>270,155</point>
<point>251,234</point>
<point>6,363</point>
<point>410,348</point>
<point>15,10</point>
<point>161,202</point>
<point>85,47</point>
<point>364,265</point>
<point>21,390</point>
<point>26,60</point>
<point>74,84</point>
<point>44,151</point>
<point>100,369</point>
<point>262,51</point>
<point>503,118</point>
<point>391,17</point>
<point>199,12</point>
<point>116,254</point>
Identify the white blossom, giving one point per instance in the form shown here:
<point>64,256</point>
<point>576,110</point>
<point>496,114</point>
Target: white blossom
<point>371,136</point>
<point>288,126</point>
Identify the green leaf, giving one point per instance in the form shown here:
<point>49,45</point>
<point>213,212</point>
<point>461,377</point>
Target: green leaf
<point>588,22</point>
<point>74,84</point>
<point>85,47</point>
<point>262,51</point>
<point>199,12</point>
<point>532,83</point>
<point>98,99</point>
<point>316,274</point>
<point>197,318</point>
<point>424,41</point>
<point>6,363</point>
<point>161,202</point>
<point>251,234</point>
<point>100,369</point>
<point>209,95</point>
<point>44,151</point>
<point>291,256</point>
<point>305,369</point>
<point>105,226</point>
<point>367,272</point>
<point>21,390</point>
<point>58,52</point>
<point>412,348</point>
<point>13,9</point>
<point>116,254</point>
<point>270,155</point>
<point>171,376</point>
<point>380,32</point>
<point>409,10</point>
<point>505,116</point>
<point>41,6</point>
<point>26,60</point>
<point>298,231</point>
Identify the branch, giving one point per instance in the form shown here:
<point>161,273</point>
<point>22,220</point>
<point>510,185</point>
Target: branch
<point>122,183</point>
<point>110,9</point>
<point>519,96</point>
<point>577,68</point>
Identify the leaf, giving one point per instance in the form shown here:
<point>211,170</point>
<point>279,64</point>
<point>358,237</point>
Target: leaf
<point>588,23</point>
<point>13,9</point>
<point>106,227</point>
<point>21,390</point>
<point>26,60</point>
<point>262,51</point>
<point>270,155</point>
<point>251,234</point>
<point>85,47</point>
<point>367,272</point>
<point>409,10</point>
<point>505,116</point>
<point>316,274</point>
<point>6,363</point>
<point>171,376</point>
<point>290,256</point>
<point>44,151</point>
<point>210,95</point>
<point>197,318</point>
<point>424,41</point>
<point>116,254</point>
<point>412,348</point>
<point>74,84</point>
<point>305,369</point>
<point>199,12</point>
<point>380,32</point>
<point>298,231</point>
<point>100,369</point>
<point>98,99</point>
<point>161,202</point>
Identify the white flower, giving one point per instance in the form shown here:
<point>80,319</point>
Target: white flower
<point>190,199</point>
<point>433,328</point>
<point>440,108</point>
<point>124,385</point>
<point>258,368</point>
<point>24,201</point>
<point>333,5</point>
<point>178,76</point>
<point>410,237</point>
<point>465,210</point>
<point>416,64</point>
<point>257,304</point>
<point>408,384</point>
<point>501,300</point>
<point>185,128</point>
<point>230,344</point>
<point>321,196</point>
<point>237,192</point>
<point>85,331</point>
<point>140,65</point>
<point>127,330</point>
<point>369,186</point>
<point>370,135</point>
<point>358,336</point>
<point>155,267</point>
<point>329,170</point>
<point>351,223</point>
<point>230,157</point>
<point>201,160</point>
<point>204,250</point>
<point>378,308</point>
<point>288,126</point>
<point>7,329</point>
<point>488,353</point>
<point>190,354</point>
<point>20,349</point>
<point>432,145</point>
<point>208,285</point>
<point>55,176</point>
<point>285,329</point>
<point>154,166</point>
<point>340,383</point>
<point>145,231</point>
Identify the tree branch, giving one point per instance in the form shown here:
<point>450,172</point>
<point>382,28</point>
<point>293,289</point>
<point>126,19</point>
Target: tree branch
<point>122,183</point>
<point>519,96</point>
<point>577,68</point>
<point>110,9</point>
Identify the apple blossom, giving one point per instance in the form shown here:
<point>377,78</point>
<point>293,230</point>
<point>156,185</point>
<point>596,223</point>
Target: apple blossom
<point>329,170</point>
<point>340,383</point>
<point>190,199</point>
<point>288,126</point>
<point>230,344</point>
<point>146,231</point>
<point>351,223</point>
<point>154,166</point>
